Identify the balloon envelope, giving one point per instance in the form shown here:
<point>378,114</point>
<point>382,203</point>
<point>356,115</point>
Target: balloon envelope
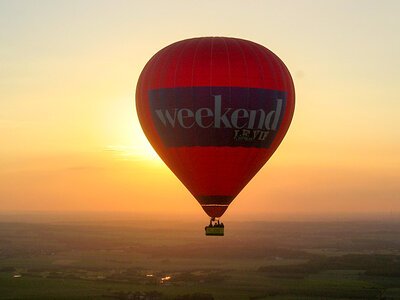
<point>215,109</point>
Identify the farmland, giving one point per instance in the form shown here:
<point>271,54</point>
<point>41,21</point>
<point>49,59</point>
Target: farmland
<point>164,260</point>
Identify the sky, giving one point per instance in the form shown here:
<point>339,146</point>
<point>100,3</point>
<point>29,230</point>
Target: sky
<point>71,141</point>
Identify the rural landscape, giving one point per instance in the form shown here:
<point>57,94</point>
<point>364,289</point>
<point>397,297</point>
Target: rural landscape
<point>199,150</point>
<point>148,259</point>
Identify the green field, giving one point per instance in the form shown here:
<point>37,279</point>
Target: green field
<point>353,260</point>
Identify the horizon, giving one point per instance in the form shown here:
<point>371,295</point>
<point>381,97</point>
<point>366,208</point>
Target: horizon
<point>110,217</point>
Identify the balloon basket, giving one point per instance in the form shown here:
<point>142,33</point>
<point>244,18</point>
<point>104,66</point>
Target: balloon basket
<point>217,231</point>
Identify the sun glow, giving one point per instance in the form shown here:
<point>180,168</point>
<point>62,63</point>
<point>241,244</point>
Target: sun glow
<point>71,139</point>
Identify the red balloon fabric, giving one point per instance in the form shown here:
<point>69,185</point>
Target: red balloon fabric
<point>215,109</point>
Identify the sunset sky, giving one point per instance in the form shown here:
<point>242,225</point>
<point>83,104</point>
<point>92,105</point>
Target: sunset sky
<point>70,137</point>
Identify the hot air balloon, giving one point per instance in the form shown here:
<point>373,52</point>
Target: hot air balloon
<point>215,109</point>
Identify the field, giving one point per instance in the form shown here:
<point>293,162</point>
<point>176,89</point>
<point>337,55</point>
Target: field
<point>164,260</point>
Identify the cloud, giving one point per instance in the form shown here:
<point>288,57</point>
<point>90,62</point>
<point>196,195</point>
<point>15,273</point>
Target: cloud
<point>84,168</point>
<point>132,153</point>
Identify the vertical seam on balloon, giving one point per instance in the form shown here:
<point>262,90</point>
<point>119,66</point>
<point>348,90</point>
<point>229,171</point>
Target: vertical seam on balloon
<point>237,41</point>
<point>230,84</point>
<point>162,70</point>
<point>260,66</point>
<point>194,60</point>
<point>264,52</point>
<point>199,41</point>
<point>174,149</point>
<point>178,62</point>
<point>184,148</point>
<point>261,69</point>
<point>146,88</point>
<point>211,83</point>
<point>229,63</point>
<point>283,81</point>
<point>211,66</point>
<point>211,62</point>
<point>290,83</point>
<point>278,62</point>
<point>196,148</point>
<point>267,54</point>
<point>229,73</point>
<point>252,150</point>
